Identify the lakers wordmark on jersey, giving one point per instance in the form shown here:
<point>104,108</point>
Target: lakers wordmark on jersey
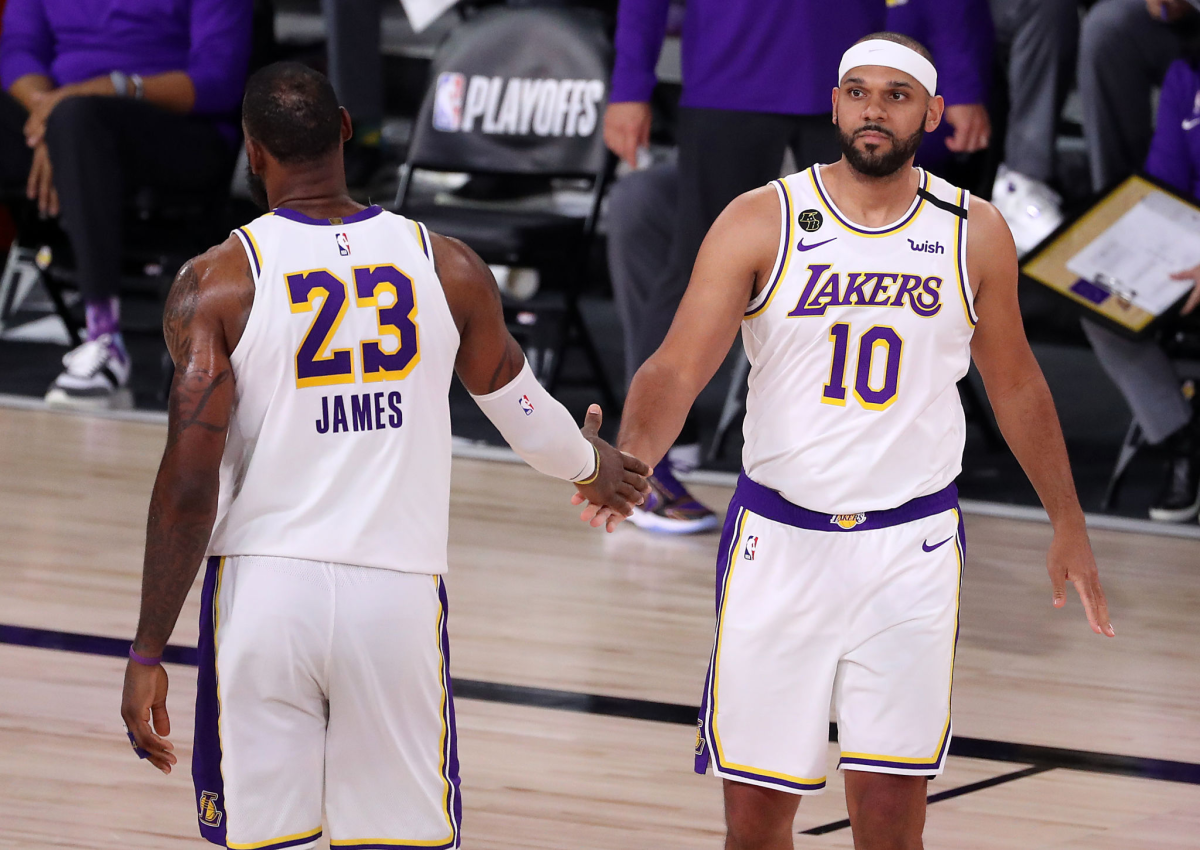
<point>856,345</point>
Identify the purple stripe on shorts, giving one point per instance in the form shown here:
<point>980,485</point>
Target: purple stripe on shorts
<point>206,749</point>
<point>773,780</point>
<point>768,503</point>
<point>367,845</point>
<point>894,765</point>
<point>361,215</point>
<point>454,795</point>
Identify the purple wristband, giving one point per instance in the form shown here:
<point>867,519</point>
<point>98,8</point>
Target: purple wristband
<point>141,659</point>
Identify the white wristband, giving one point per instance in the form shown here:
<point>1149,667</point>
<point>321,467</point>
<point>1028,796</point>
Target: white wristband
<point>539,429</point>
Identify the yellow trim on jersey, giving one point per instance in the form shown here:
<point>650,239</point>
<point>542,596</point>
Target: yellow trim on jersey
<point>421,239</point>
<point>942,749</point>
<point>297,836</point>
<point>254,247</point>
<point>960,264</point>
<point>890,230</point>
<point>785,260</point>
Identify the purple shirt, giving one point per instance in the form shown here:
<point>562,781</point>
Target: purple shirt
<point>772,55</point>
<point>1174,156</point>
<point>75,40</point>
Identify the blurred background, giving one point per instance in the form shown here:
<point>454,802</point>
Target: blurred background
<point>583,148</point>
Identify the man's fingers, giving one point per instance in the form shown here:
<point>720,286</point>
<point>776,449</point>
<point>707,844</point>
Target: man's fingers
<point>1094,604</point>
<point>162,723</point>
<point>589,512</point>
<point>1059,583</point>
<point>631,494</point>
<point>592,421</point>
<point>577,498</point>
<point>637,482</point>
<point>633,464</point>
<point>1192,301</point>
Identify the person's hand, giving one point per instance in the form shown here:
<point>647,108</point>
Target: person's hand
<point>627,129</point>
<point>1071,560</point>
<point>1192,274</point>
<point>40,185</point>
<point>144,699</point>
<point>972,127</point>
<point>1167,10</point>
<point>40,106</point>
<point>620,483</point>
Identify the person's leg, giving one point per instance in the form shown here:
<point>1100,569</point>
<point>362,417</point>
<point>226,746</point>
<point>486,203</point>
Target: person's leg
<point>1151,387</point>
<point>15,155</point>
<point>758,818</point>
<point>887,812</point>
<point>641,213</point>
<point>101,148</point>
<point>391,775</point>
<point>1044,40</point>
<point>1123,54</point>
<point>356,72</point>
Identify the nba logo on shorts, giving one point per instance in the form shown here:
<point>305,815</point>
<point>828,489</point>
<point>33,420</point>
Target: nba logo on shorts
<point>526,405</point>
<point>343,243</point>
<point>751,546</point>
<point>448,101</point>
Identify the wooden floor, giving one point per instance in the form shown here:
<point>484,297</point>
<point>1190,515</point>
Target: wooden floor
<point>537,599</point>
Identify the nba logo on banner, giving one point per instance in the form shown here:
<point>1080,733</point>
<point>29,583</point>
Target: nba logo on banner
<point>448,101</point>
<point>526,405</point>
<point>751,547</point>
<point>343,243</point>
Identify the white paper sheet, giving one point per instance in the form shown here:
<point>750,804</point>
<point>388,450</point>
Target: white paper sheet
<point>422,13</point>
<point>1138,253</point>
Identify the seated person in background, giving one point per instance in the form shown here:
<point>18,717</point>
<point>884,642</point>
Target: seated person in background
<point>1140,368</point>
<point>102,99</point>
<point>1039,39</point>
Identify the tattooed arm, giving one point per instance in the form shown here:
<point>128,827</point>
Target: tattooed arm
<point>205,315</point>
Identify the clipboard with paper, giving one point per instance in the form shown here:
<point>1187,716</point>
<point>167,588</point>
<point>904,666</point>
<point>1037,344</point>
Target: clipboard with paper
<point>1116,260</point>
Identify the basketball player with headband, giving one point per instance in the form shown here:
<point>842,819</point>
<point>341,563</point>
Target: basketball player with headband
<point>863,289</point>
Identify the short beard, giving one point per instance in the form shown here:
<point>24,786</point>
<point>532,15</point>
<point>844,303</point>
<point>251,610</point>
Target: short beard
<point>258,190</point>
<point>879,164</point>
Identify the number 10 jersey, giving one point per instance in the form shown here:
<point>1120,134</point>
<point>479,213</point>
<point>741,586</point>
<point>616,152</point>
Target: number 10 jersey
<point>856,345</point>
<point>339,443</point>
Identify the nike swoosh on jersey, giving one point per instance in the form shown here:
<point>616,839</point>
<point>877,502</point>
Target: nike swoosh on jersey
<point>1189,123</point>
<point>925,544</point>
<point>800,246</point>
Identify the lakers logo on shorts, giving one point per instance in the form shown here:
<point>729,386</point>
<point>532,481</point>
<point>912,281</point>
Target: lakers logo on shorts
<point>210,815</point>
<point>700,737</point>
<point>847,521</point>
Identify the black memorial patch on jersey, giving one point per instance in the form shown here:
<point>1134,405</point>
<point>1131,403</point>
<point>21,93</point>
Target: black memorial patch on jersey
<point>810,221</point>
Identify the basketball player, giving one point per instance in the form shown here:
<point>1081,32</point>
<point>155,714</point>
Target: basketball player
<point>862,289</point>
<point>308,455</point>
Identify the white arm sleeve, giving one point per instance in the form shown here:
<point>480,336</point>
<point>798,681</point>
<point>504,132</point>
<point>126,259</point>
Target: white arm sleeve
<point>539,429</point>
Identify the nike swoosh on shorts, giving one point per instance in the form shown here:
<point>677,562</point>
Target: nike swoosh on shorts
<point>1189,123</point>
<point>925,545</point>
<point>800,246</point>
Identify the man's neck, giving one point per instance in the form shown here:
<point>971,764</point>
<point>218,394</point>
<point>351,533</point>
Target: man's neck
<point>319,192</point>
<point>871,201</point>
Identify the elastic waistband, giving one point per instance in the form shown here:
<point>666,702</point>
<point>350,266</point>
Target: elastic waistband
<point>768,503</point>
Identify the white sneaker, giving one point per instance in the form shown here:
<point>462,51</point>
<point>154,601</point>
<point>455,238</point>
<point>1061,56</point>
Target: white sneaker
<point>96,376</point>
<point>1032,209</point>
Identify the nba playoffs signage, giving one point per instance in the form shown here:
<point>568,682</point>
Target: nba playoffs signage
<point>516,106</point>
<point>518,90</point>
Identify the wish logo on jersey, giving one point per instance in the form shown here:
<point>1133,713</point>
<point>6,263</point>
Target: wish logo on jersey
<point>923,295</point>
<point>517,106</point>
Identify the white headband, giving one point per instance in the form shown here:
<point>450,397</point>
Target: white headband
<point>889,54</point>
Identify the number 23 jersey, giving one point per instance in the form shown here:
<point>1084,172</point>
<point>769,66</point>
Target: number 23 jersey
<point>339,443</point>
<point>856,345</point>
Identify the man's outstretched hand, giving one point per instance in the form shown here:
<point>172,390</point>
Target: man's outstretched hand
<point>620,483</point>
<point>144,710</point>
<point>1070,560</point>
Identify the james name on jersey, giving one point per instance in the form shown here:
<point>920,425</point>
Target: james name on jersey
<point>367,413</point>
<point>923,295</point>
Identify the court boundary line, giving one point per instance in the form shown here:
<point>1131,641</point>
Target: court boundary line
<point>476,450</point>
<point>1035,755</point>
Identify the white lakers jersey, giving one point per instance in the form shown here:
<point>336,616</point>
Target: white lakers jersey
<point>339,445</point>
<point>855,347</point>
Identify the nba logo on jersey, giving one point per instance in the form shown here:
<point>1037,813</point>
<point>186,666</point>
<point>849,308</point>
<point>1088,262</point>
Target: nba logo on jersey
<point>210,815</point>
<point>448,101</point>
<point>343,243</point>
<point>751,546</point>
<point>526,405</point>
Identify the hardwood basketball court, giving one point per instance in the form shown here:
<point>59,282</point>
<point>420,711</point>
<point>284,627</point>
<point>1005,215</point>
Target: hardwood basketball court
<point>578,658</point>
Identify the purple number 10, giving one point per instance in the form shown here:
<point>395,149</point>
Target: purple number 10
<point>834,392</point>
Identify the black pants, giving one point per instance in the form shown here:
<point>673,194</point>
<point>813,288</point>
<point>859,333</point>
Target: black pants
<point>722,154</point>
<point>103,149</point>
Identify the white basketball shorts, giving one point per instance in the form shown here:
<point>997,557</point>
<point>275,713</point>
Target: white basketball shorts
<point>324,693</point>
<point>857,610</point>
